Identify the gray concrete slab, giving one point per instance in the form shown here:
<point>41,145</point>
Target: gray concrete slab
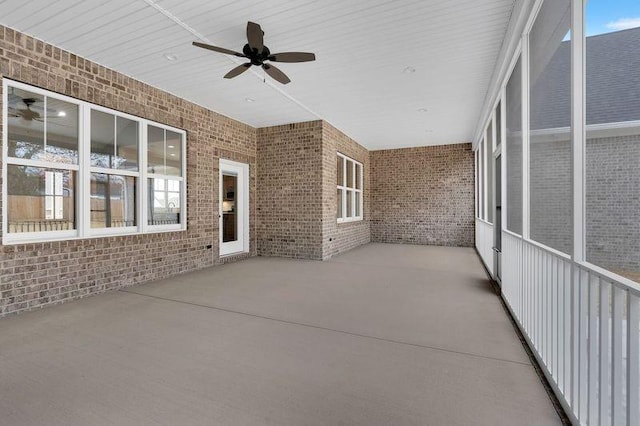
<point>382,335</point>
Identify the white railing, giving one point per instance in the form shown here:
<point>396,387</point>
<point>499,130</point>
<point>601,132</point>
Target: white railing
<point>583,327</point>
<point>484,242</point>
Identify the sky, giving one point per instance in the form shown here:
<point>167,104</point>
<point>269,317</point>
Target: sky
<point>605,16</point>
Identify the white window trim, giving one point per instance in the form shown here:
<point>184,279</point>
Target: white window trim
<point>357,192</point>
<point>83,175</point>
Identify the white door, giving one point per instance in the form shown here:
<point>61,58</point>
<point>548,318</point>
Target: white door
<point>234,207</point>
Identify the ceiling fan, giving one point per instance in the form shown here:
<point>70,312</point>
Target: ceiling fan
<point>28,114</point>
<point>257,54</point>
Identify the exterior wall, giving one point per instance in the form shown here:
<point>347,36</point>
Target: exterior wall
<point>36,275</point>
<point>551,200</point>
<point>290,190</point>
<point>340,237</point>
<point>423,195</point>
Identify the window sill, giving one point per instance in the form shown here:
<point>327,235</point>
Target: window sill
<point>12,241</point>
<point>350,220</point>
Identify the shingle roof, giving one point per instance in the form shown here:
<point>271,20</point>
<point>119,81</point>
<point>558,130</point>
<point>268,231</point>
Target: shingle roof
<point>613,82</point>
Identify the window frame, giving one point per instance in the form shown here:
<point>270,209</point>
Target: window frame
<point>83,170</point>
<point>346,189</point>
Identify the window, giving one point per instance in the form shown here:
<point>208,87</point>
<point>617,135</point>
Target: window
<point>349,189</point>
<point>513,105</point>
<point>550,193</point>
<point>42,141</point>
<point>75,170</point>
<point>481,181</point>
<point>114,170</point>
<point>489,165</point>
<point>612,151</point>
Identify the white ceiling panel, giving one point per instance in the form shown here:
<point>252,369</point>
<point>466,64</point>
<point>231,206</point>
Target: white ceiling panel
<point>358,82</point>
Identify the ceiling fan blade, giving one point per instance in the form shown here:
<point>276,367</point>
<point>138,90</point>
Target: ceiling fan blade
<point>255,36</point>
<point>292,57</point>
<point>238,70</point>
<point>218,49</point>
<point>276,74</point>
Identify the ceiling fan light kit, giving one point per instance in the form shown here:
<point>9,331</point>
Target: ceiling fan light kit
<point>259,55</point>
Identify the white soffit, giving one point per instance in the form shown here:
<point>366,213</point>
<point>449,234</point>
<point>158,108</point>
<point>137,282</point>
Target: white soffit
<point>359,82</point>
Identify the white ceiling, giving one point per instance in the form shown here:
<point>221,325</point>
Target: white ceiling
<point>357,83</point>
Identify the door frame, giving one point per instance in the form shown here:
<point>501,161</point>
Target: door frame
<point>241,170</point>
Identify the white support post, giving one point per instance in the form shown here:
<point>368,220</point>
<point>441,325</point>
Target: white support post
<point>525,137</point>
<point>577,185</point>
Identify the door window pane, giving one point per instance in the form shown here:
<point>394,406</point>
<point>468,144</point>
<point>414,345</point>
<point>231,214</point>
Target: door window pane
<point>113,201</point>
<point>40,199</point>
<point>550,121</point>
<point>513,107</point>
<point>229,208</point>
<point>613,143</point>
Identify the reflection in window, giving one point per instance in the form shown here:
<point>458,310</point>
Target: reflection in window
<point>164,196</point>
<point>28,115</point>
<point>550,123</point>
<point>39,199</point>
<point>114,141</point>
<point>113,201</point>
<point>612,215</point>
<point>164,152</point>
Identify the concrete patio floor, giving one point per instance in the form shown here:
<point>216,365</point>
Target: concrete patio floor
<point>381,335</point>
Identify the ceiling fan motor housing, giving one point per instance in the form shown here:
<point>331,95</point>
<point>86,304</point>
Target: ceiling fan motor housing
<point>256,58</point>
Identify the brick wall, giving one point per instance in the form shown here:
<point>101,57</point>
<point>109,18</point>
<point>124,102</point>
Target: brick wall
<point>340,237</point>
<point>423,195</point>
<point>36,275</point>
<point>290,190</point>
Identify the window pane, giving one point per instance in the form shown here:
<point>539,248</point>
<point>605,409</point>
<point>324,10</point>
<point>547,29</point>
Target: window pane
<point>358,176</point>
<point>113,201</point>
<point>174,153</point>
<point>550,111</point>
<point>514,149</point>
<point>102,139</point>
<point>339,203</point>
<point>482,179</point>
<point>40,199</point>
<point>612,150</point>
<point>349,203</point>
<point>489,165</point>
<point>155,150</point>
<point>350,174</point>
<point>62,131</point>
<point>498,124</point>
<point>25,124</point>
<point>164,202</point>
<point>126,144</point>
<point>340,171</point>
<point>358,206</point>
